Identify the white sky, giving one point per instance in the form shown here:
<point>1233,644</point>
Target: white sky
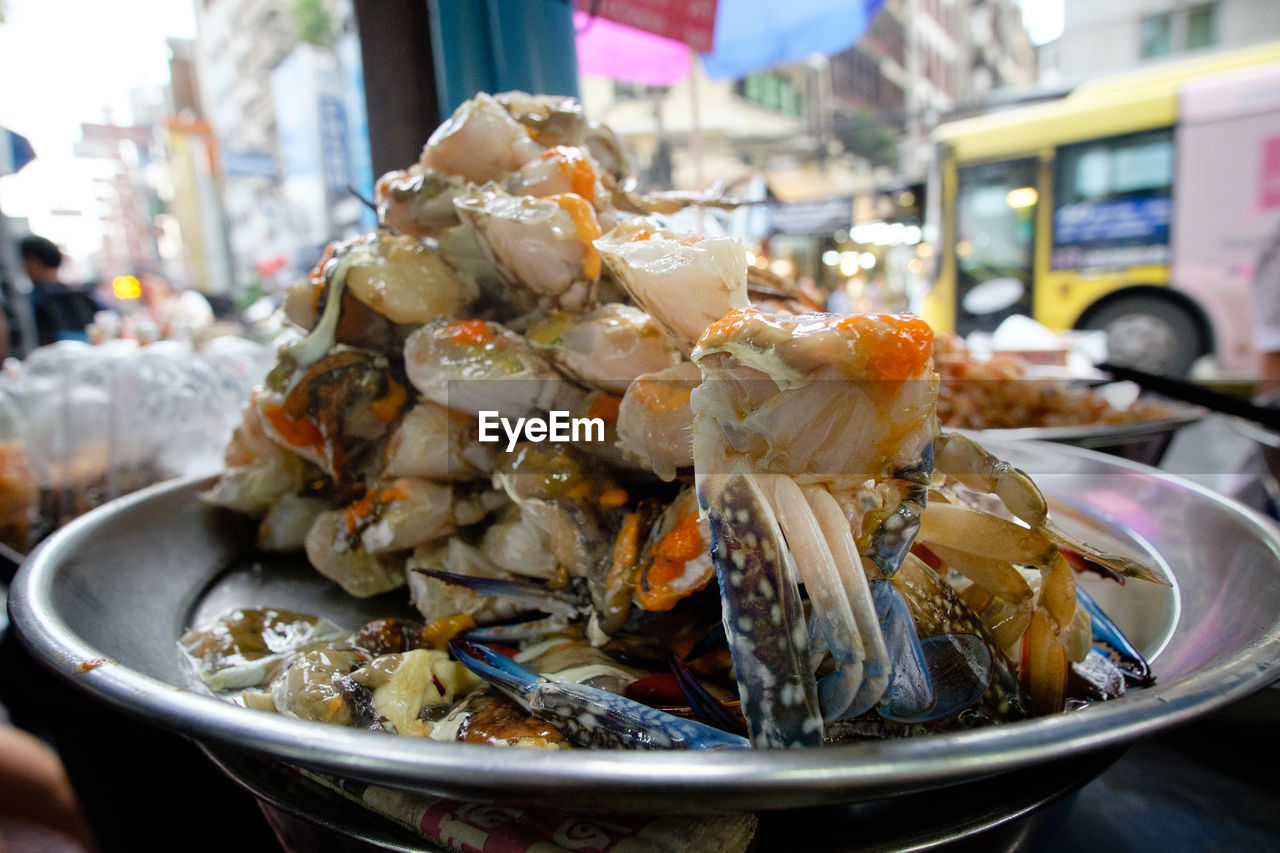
<point>64,62</point>
<point>1042,18</point>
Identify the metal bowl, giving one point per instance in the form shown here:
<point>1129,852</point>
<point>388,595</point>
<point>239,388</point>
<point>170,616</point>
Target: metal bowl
<point>104,600</point>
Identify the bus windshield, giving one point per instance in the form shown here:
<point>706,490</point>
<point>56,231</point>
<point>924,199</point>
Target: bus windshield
<point>995,242</point>
<point>1112,202</point>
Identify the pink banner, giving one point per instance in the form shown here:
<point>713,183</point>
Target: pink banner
<point>628,54</point>
<point>688,21</point>
<point>1269,174</point>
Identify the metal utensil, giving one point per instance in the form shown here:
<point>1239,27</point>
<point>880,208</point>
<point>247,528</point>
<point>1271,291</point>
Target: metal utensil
<point>1198,395</point>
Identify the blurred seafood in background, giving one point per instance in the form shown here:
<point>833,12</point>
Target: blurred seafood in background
<point>630,509</point>
<point>1002,393</point>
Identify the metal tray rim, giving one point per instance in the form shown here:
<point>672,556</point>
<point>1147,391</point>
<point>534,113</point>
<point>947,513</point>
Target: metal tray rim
<point>831,774</point>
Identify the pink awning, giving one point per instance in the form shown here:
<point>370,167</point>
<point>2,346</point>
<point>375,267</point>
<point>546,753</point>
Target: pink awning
<point>628,54</point>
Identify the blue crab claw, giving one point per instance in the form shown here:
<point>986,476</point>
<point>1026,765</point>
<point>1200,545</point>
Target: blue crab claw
<point>533,595</point>
<point>851,690</point>
<point>910,693</point>
<point>1115,644</point>
<point>960,670</point>
<point>589,716</point>
<point>763,617</point>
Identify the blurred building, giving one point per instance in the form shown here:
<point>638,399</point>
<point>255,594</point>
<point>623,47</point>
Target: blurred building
<point>245,49</point>
<point>127,191</point>
<point>312,138</point>
<point>1104,36</point>
<point>868,109</point>
<point>837,149</point>
<point>925,59</point>
<point>194,229</point>
<point>238,42</point>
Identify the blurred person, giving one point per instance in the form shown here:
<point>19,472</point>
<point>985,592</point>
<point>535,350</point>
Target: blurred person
<point>37,803</point>
<point>176,313</point>
<point>840,301</point>
<point>808,288</point>
<point>877,295</point>
<point>61,312</point>
<point>1266,312</point>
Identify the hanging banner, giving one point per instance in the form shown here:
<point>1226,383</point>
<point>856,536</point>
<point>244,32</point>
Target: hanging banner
<point>688,21</point>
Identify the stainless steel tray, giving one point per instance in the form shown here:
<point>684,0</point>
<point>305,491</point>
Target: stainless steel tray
<point>103,601</point>
<point>1139,441</point>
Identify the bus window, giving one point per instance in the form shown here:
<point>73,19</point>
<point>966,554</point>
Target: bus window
<point>995,241</point>
<point>1112,202</point>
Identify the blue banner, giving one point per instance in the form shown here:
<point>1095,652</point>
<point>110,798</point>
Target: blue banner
<point>1124,221</point>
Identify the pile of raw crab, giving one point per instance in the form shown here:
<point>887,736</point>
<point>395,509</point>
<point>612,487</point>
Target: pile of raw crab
<point>760,537</point>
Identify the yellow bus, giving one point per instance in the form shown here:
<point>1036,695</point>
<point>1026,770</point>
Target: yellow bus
<point>1136,204</point>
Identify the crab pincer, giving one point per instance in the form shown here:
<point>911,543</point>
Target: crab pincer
<point>813,444</point>
<point>763,618</point>
<point>587,715</point>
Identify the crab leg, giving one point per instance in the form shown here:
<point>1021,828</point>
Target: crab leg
<point>535,596</point>
<point>876,664</point>
<point>515,632</point>
<point>1044,653</point>
<point>998,577</point>
<point>706,707</point>
<point>892,539</point>
<point>832,607</point>
<point>975,532</point>
<point>587,715</point>
<point>763,619</point>
<point>964,656</point>
<point>964,459</point>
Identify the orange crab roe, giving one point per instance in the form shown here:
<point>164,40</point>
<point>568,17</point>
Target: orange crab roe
<point>388,406</point>
<point>682,544</point>
<point>605,407</point>
<point>474,332</point>
<point>302,433</point>
<point>899,345</point>
<point>890,347</point>
<point>586,227</point>
<point>575,166</point>
<point>361,509</point>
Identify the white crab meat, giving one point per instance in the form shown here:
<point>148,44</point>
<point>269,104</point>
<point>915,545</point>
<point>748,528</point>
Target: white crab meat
<point>435,443</point>
<point>286,524</point>
<point>607,348</point>
<point>310,688</point>
<point>406,281</point>
<point>255,488</point>
<point>685,282</point>
<point>406,684</point>
<point>655,423</point>
<point>480,141</point>
<point>475,366</point>
<point>543,243</point>
<point>246,647</point>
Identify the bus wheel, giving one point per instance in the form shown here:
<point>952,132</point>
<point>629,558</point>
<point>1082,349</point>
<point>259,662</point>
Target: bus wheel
<point>1149,333</point>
